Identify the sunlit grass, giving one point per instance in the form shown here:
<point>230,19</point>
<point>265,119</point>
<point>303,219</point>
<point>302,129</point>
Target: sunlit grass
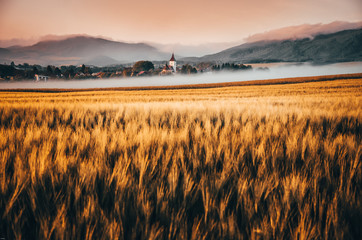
<point>276,161</point>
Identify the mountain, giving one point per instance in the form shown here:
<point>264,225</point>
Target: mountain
<point>4,51</point>
<point>195,50</point>
<point>304,31</point>
<point>82,49</point>
<point>285,33</point>
<point>336,47</point>
<point>101,61</point>
<point>317,43</point>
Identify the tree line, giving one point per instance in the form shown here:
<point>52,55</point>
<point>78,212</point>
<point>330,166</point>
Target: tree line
<point>140,68</point>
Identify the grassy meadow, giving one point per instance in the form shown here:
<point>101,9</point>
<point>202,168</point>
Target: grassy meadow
<point>242,162</point>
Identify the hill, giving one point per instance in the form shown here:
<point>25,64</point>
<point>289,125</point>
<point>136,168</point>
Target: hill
<point>82,49</point>
<point>304,31</point>
<point>336,47</point>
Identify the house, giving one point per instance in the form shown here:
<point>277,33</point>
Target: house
<point>167,70</point>
<point>41,77</point>
<point>142,73</point>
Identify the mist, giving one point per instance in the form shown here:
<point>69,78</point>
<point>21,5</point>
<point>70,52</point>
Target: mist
<point>194,50</point>
<point>274,71</point>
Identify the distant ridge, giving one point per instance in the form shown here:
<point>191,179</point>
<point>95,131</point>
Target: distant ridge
<point>304,31</point>
<point>341,46</point>
<point>82,49</point>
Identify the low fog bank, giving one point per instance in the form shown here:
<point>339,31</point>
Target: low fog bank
<point>259,72</point>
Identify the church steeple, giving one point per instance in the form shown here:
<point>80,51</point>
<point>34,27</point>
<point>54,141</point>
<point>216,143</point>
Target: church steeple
<point>172,62</point>
<point>173,58</point>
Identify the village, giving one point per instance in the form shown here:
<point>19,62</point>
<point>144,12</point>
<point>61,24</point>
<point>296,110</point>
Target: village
<point>25,71</point>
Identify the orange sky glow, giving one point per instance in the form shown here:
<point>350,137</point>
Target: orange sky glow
<point>186,22</point>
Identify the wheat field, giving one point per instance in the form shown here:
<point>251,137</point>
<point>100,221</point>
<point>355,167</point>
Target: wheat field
<point>246,162</point>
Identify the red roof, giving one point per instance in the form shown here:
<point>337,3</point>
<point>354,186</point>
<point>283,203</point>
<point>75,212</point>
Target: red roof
<point>166,67</point>
<point>173,58</point>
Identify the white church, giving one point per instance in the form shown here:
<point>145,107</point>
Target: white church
<point>172,63</point>
<point>171,67</point>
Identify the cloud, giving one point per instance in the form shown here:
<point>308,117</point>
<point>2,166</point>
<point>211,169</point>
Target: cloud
<point>303,31</point>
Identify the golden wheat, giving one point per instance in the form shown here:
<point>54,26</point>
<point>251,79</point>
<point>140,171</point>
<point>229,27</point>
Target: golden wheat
<point>275,161</point>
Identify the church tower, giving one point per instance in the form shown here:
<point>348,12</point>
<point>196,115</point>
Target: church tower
<point>172,62</point>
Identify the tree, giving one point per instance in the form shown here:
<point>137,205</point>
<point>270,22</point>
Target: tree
<point>143,66</point>
<point>69,73</point>
<point>127,72</point>
<point>216,68</point>
<point>57,72</point>
<point>49,70</point>
<point>35,70</point>
<point>86,70</point>
<point>83,69</point>
<point>204,65</point>
<point>6,70</point>
<point>232,66</point>
<point>188,69</point>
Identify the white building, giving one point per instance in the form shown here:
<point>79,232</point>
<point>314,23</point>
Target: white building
<point>172,63</point>
<point>41,77</point>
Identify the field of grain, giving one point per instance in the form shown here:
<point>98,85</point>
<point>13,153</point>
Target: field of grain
<point>274,161</point>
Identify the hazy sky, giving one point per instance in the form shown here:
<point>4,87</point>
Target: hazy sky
<point>182,21</point>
